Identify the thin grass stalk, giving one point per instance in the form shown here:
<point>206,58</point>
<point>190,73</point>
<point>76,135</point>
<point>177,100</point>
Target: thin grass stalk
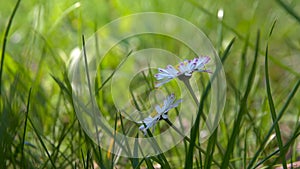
<point>285,147</point>
<point>242,110</point>
<point>161,156</point>
<point>89,86</point>
<point>261,147</point>
<point>25,127</point>
<point>189,140</point>
<point>111,75</point>
<point>210,149</point>
<point>42,143</point>
<point>289,10</point>
<point>273,112</point>
<point>194,130</point>
<point>12,16</point>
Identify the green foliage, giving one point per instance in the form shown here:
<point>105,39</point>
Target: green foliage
<point>38,124</point>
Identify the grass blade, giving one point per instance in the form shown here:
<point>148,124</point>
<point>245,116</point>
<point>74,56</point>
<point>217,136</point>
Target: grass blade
<point>42,142</point>
<point>89,86</point>
<point>210,149</point>
<point>242,110</point>
<point>62,86</point>
<point>243,62</point>
<point>135,161</point>
<point>139,164</point>
<point>148,163</point>
<point>227,50</point>
<point>83,161</point>
<point>161,157</point>
<point>289,10</point>
<point>280,114</point>
<point>5,39</point>
<point>195,128</point>
<point>112,74</point>
<point>99,156</point>
<point>245,150</point>
<point>25,126</point>
<point>273,112</point>
<point>285,147</point>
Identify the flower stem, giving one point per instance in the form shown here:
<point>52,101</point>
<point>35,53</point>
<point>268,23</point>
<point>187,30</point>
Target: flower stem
<point>187,83</point>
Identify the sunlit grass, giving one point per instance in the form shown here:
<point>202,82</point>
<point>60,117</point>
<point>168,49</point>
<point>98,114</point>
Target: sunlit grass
<point>260,125</point>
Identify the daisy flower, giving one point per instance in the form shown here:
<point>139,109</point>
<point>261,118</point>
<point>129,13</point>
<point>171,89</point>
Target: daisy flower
<point>182,71</point>
<point>161,113</point>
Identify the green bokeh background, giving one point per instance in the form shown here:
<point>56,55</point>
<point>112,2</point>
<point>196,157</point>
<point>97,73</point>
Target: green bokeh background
<point>44,33</point>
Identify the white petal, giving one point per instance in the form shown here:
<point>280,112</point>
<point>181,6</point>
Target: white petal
<point>160,83</point>
<point>164,116</point>
<point>201,62</point>
<point>161,113</point>
<point>175,104</point>
<point>158,109</point>
<point>161,75</point>
<point>171,70</point>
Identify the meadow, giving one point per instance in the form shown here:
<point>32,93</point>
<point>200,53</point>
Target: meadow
<point>48,118</point>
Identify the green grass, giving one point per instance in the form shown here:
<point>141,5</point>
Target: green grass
<point>260,125</point>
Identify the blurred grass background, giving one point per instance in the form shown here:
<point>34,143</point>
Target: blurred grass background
<point>44,33</point>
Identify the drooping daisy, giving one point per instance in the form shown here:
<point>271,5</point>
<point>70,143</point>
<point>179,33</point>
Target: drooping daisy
<point>161,113</point>
<point>182,71</point>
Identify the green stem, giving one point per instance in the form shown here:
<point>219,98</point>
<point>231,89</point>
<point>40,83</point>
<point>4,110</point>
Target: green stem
<point>186,81</point>
<point>5,39</point>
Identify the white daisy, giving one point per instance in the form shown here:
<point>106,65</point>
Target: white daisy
<point>182,71</point>
<point>161,113</point>
<point>199,63</point>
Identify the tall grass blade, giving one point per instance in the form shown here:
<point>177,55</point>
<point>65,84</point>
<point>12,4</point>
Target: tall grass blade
<point>242,110</point>
<point>227,50</point>
<point>161,157</point>
<point>42,142</point>
<point>113,155</point>
<point>89,87</point>
<point>210,149</point>
<point>243,62</point>
<point>195,128</point>
<point>112,74</point>
<point>289,10</point>
<point>25,127</point>
<point>99,156</point>
<point>65,132</point>
<point>245,151</point>
<point>135,161</point>
<point>273,111</point>
<point>285,147</point>
<point>5,40</point>
<point>63,87</point>
<point>280,114</point>
<point>189,140</point>
<point>83,160</point>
